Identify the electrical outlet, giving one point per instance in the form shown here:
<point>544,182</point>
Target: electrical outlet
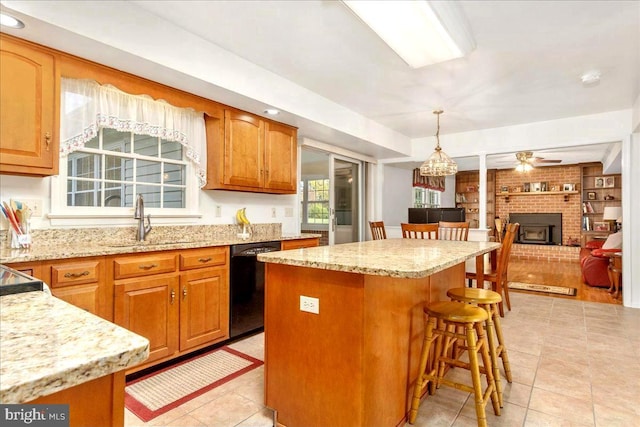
<point>35,205</point>
<point>288,212</point>
<point>309,304</point>
<point>273,212</point>
<point>218,211</point>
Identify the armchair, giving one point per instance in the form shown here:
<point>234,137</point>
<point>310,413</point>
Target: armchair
<point>594,262</point>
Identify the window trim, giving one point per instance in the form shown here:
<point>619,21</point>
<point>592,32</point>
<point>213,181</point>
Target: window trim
<point>62,215</point>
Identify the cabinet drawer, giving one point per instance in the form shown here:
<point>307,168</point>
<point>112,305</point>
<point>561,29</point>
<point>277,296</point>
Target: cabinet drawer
<point>207,257</point>
<point>300,243</point>
<point>136,266</point>
<point>75,273</point>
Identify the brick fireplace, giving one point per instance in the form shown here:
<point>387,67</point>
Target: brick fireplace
<point>570,209</point>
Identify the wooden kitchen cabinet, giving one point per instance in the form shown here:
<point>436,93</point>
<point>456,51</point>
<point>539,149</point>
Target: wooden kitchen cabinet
<point>300,243</point>
<point>281,158</point>
<point>204,304</point>
<point>81,282</point>
<point>179,300</point>
<point>148,306</point>
<point>28,135</point>
<point>249,153</point>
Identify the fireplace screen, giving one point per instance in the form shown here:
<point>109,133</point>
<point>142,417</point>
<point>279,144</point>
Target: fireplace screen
<point>536,234</point>
<point>538,228</point>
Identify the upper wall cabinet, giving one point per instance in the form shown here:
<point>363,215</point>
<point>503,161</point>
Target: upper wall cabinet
<point>28,135</point>
<point>280,158</point>
<point>248,153</point>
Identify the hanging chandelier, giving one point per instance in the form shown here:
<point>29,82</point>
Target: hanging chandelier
<point>438,164</point>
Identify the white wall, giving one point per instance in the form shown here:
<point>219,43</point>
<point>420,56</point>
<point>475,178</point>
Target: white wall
<point>397,195</point>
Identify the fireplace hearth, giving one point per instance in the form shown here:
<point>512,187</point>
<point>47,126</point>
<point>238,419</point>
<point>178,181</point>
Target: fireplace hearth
<point>538,228</point>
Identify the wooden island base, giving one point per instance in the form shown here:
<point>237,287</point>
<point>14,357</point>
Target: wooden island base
<point>98,402</point>
<point>354,363</point>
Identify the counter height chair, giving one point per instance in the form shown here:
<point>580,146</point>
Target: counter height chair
<point>453,230</point>
<point>377,230</point>
<point>489,301</point>
<point>455,323</point>
<point>420,231</point>
<point>498,277</point>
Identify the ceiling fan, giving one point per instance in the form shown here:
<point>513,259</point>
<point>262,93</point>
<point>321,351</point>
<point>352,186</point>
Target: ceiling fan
<point>526,161</point>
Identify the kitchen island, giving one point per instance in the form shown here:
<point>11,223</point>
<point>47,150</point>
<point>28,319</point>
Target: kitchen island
<point>355,362</point>
<point>52,352</point>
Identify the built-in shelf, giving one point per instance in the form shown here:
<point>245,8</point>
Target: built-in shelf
<point>566,194</point>
<point>536,193</point>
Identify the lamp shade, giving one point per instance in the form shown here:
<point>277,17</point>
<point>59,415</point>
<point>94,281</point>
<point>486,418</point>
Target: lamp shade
<point>611,213</point>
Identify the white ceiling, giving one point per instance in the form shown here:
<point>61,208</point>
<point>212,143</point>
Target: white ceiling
<point>526,67</point>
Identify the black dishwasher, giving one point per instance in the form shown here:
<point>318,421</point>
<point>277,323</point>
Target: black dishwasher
<point>247,287</point>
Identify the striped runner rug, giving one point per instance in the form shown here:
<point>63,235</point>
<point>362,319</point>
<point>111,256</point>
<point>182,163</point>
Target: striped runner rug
<point>159,392</point>
<point>560,290</point>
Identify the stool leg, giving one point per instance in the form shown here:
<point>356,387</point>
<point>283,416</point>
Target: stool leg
<point>486,360</point>
<point>491,339</point>
<point>502,348</point>
<point>475,375</point>
<point>421,380</point>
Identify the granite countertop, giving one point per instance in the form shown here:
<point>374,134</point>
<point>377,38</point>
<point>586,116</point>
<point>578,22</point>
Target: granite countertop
<point>62,244</point>
<point>403,258</point>
<point>48,345</point>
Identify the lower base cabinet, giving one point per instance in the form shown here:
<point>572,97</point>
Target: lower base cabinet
<point>149,307</point>
<point>178,311</point>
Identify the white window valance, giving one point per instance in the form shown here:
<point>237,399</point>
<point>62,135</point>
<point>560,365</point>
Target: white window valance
<point>88,106</point>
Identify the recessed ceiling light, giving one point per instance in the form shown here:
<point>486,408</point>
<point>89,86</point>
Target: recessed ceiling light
<point>591,78</point>
<point>272,111</point>
<point>10,21</point>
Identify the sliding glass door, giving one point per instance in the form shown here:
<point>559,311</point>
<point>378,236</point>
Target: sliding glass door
<point>331,197</point>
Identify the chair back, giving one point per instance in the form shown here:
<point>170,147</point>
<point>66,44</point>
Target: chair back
<point>377,230</point>
<point>505,252</point>
<point>448,230</point>
<point>419,231</point>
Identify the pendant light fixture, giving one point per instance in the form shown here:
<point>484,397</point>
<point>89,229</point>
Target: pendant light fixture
<point>438,164</point>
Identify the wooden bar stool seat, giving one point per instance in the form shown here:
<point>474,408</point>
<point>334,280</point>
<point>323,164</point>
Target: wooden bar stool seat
<point>452,322</point>
<point>489,301</point>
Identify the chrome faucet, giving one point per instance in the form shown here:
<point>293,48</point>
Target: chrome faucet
<point>143,230</point>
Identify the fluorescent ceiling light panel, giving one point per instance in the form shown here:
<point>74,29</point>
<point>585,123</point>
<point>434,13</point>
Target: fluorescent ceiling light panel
<point>420,32</point>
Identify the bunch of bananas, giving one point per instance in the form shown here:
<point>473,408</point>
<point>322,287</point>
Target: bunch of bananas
<point>241,217</point>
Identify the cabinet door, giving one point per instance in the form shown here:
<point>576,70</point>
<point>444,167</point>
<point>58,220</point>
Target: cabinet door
<point>149,307</point>
<point>243,150</point>
<point>280,158</point>
<point>204,307</point>
<point>86,297</point>
<point>27,110</point>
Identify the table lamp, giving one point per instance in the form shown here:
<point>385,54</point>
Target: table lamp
<point>611,214</point>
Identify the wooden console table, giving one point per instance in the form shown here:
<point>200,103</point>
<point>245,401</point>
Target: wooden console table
<point>615,273</point>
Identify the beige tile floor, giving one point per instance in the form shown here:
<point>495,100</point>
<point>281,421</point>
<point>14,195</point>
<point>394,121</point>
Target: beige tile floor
<point>574,363</point>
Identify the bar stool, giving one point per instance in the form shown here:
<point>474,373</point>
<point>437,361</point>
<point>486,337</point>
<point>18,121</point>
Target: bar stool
<point>445,319</point>
<point>489,301</point>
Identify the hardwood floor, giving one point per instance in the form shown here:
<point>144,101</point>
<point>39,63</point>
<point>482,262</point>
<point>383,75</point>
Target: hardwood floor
<point>558,274</point>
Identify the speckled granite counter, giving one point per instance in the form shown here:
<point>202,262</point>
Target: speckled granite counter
<point>403,258</point>
<point>47,345</point>
<point>49,244</point>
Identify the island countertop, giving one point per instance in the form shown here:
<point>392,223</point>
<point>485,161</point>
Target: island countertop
<point>402,258</point>
<point>48,345</point>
